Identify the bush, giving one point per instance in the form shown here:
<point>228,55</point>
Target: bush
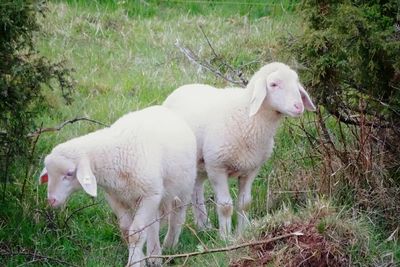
<point>23,74</point>
<point>351,54</point>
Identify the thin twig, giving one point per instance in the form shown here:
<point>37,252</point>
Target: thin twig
<point>294,191</point>
<point>29,165</point>
<point>208,42</point>
<point>352,121</point>
<point>224,249</point>
<point>194,232</point>
<point>237,72</point>
<point>158,219</point>
<point>5,175</point>
<point>78,210</point>
<point>62,125</point>
<point>195,59</point>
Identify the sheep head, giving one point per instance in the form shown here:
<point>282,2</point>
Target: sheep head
<point>277,87</point>
<point>64,176</point>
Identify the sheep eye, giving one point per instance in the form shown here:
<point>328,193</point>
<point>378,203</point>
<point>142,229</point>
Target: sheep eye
<point>274,85</point>
<point>70,173</point>
<point>67,177</point>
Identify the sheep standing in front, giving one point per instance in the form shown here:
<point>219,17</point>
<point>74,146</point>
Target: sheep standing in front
<point>235,131</point>
<point>145,162</point>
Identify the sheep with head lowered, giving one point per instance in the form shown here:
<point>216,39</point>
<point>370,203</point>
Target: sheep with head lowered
<point>145,162</point>
<point>235,131</point>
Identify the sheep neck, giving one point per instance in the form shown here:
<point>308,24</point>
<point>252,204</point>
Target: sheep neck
<point>113,166</point>
<point>102,167</point>
<point>264,123</point>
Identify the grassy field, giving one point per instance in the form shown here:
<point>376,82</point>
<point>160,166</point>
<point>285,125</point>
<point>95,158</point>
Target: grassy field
<point>124,57</point>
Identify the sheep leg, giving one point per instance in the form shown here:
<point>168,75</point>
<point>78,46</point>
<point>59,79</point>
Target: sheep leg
<point>199,205</point>
<point>153,243</point>
<point>244,199</point>
<point>219,182</point>
<point>176,220</point>
<point>145,216</point>
<point>123,214</point>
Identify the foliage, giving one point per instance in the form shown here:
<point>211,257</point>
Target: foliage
<point>350,51</point>
<point>23,73</point>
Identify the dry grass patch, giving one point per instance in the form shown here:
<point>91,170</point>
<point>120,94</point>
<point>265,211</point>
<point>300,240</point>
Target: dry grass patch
<point>329,238</point>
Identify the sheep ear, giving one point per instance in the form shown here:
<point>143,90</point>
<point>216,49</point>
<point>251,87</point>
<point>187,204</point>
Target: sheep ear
<point>43,177</point>
<point>259,94</point>
<point>86,177</point>
<point>307,102</point>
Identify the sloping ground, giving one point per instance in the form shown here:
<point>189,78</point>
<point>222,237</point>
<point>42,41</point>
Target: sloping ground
<point>329,238</point>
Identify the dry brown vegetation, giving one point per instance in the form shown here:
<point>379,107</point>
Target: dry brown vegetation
<point>327,239</point>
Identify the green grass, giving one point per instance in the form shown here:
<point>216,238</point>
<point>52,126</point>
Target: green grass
<point>124,58</point>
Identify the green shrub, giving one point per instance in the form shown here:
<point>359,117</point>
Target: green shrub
<point>23,74</point>
<point>350,51</point>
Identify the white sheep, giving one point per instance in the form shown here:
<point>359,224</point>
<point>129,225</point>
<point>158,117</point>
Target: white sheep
<point>145,162</point>
<point>235,131</point>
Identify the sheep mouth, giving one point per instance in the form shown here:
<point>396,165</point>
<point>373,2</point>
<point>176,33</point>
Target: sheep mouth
<point>289,113</point>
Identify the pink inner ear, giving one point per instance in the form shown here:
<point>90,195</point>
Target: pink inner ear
<point>307,102</point>
<point>44,178</point>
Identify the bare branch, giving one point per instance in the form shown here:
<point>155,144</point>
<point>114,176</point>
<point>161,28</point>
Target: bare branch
<point>208,42</point>
<point>237,72</point>
<point>224,249</point>
<point>194,232</point>
<point>62,125</point>
<point>352,121</point>
<point>195,59</point>
<point>241,81</point>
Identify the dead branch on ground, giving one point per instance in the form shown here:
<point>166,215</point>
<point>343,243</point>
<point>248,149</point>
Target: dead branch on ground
<point>224,249</point>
